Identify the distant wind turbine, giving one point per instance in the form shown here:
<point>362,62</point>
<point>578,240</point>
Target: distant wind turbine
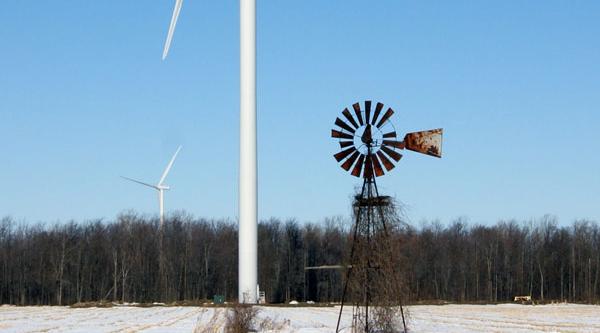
<point>160,187</point>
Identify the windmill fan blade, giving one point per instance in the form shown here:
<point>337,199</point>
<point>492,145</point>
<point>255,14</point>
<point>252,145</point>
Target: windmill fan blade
<point>385,117</point>
<point>378,108</point>
<point>358,167</point>
<point>368,112</point>
<point>341,135</point>
<point>396,156</point>
<point>176,11</point>
<point>348,116</point>
<point>343,125</point>
<point>344,144</point>
<point>168,168</point>
<point>341,155</point>
<point>393,143</point>
<point>386,161</point>
<point>390,135</point>
<point>425,142</point>
<point>356,107</point>
<point>368,167</point>
<point>377,166</point>
<point>348,163</point>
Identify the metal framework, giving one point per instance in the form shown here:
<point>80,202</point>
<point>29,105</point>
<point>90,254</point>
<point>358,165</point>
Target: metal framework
<point>368,145</point>
<point>370,232</point>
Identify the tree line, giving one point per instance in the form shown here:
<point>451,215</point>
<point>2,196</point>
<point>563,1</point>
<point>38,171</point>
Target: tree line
<point>66,263</point>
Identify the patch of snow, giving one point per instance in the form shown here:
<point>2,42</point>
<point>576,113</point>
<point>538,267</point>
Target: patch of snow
<point>504,318</point>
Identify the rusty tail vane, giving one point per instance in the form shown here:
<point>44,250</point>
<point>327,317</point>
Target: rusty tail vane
<point>425,142</point>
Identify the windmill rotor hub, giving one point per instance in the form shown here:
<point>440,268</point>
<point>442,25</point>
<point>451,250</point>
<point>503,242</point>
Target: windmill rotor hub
<point>368,136</point>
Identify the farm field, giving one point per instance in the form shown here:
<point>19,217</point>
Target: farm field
<point>423,318</point>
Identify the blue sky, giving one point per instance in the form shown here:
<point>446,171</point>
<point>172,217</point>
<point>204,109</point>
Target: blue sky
<point>85,98</point>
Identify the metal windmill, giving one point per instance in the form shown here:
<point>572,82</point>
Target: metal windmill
<point>368,143</point>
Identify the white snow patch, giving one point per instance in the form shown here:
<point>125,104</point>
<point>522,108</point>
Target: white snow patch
<point>568,318</point>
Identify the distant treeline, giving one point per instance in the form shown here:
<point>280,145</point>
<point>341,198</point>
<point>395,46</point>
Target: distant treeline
<point>119,260</point>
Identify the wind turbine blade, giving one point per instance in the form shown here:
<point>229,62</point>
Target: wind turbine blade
<point>139,182</point>
<point>164,175</point>
<point>176,11</point>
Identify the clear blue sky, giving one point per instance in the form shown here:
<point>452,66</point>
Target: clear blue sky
<point>85,97</point>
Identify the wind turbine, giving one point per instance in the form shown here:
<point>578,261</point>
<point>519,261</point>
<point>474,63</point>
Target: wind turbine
<point>247,258</point>
<point>160,187</point>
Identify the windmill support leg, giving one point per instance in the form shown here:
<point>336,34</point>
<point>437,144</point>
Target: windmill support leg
<point>349,271</point>
<point>348,274</point>
<point>397,283</point>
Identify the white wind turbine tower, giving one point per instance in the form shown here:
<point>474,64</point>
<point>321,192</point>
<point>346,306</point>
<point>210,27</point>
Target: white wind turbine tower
<point>160,187</point>
<point>247,238</point>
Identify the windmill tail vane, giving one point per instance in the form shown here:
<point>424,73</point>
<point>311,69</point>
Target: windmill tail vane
<point>425,142</point>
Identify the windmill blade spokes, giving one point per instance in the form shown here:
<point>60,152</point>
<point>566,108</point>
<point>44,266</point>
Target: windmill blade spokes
<point>166,172</point>
<point>341,135</point>
<point>377,166</point>
<point>386,161</point>
<point>389,135</point>
<point>394,143</point>
<point>378,108</point>
<point>356,107</point>
<point>367,112</point>
<point>391,153</point>
<point>350,161</point>
<point>348,116</point>
<point>139,182</point>
<point>425,142</point>
<point>344,144</point>
<point>176,11</point>
<point>343,125</point>
<point>370,146</point>
<point>358,166</point>
<point>385,117</point>
<point>344,153</point>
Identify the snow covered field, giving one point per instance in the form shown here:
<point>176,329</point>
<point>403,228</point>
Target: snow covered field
<point>423,318</point>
